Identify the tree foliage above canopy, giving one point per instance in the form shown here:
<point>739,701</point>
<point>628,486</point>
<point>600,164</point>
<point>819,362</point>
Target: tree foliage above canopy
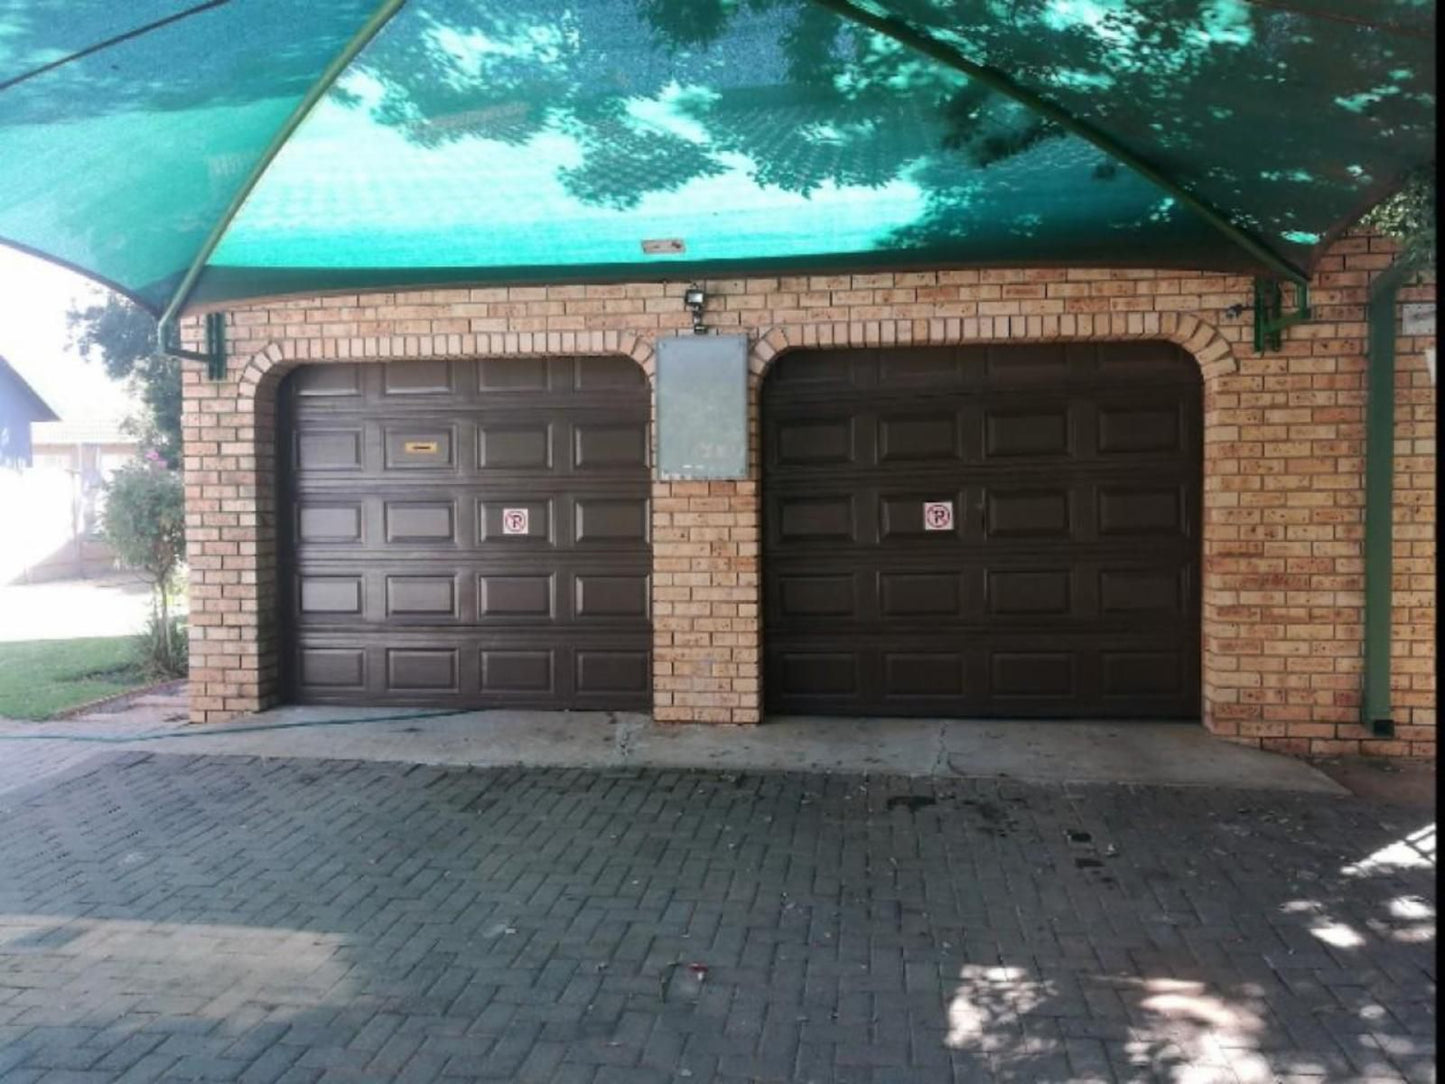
<point>1409,215</point>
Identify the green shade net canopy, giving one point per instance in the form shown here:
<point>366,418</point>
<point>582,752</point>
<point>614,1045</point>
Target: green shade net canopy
<point>204,152</point>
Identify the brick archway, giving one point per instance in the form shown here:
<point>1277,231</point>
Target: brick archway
<point>1204,341</point>
<point>1200,339</point>
<point>231,504</point>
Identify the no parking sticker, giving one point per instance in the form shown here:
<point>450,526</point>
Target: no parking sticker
<point>938,515</point>
<point>515,520</point>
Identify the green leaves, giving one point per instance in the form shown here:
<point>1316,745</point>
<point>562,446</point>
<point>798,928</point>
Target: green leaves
<point>122,337</point>
<point>145,519</point>
<point>1409,215</point>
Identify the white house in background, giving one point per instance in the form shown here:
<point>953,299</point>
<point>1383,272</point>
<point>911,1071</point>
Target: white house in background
<point>59,499</point>
<point>89,450</point>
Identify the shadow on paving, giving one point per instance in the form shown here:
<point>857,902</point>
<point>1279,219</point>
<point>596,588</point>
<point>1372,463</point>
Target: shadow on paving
<point>195,918</point>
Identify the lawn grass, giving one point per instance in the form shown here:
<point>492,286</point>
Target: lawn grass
<point>40,678</point>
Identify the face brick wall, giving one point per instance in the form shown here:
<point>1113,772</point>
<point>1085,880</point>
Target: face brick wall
<point>1283,586</point>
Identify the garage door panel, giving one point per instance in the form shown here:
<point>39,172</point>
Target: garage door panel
<point>426,517</point>
<point>980,674</point>
<point>514,446</point>
<point>333,524</point>
<point>1030,512</point>
<point>434,597</point>
<point>414,447</point>
<point>815,519</point>
<point>815,441</point>
<point>610,520</point>
<point>599,446</point>
<point>923,595</point>
<point>1033,675</point>
<point>930,367</point>
<point>512,597</point>
<point>900,517</point>
<point>336,670</point>
<point>606,671</point>
<point>472,587</point>
<point>496,528</point>
<point>1030,365</point>
<point>1036,592</point>
<point>608,374</point>
<point>1136,592</point>
<point>419,378</point>
<point>329,450</point>
<point>514,374</point>
<point>433,522</point>
<point>1142,361</point>
<point>1137,510</point>
<point>1018,433</point>
<point>608,377</point>
<point>1132,430</point>
<point>330,595</point>
<point>1067,584</point>
<point>424,669</point>
<point>469,533</point>
<point>441,668</point>
<point>803,596</point>
<point>518,673</point>
<point>813,369</point>
<point>609,597</point>
<point>920,438</point>
<point>924,674</point>
<point>327,381</point>
<point>805,674</point>
<point>1143,673</point>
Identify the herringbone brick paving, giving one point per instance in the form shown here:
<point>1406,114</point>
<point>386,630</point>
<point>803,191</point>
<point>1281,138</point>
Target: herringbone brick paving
<point>225,918</point>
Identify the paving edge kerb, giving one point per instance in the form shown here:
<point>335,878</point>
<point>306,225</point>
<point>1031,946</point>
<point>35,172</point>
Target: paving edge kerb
<point>122,699</point>
<point>1077,753</point>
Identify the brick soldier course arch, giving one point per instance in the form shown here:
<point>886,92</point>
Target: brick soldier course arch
<point>1282,492</point>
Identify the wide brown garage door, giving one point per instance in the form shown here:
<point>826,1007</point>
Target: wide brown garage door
<point>993,531</point>
<point>468,533</point>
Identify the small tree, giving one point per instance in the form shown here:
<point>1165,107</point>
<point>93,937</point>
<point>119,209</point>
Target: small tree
<point>145,522</point>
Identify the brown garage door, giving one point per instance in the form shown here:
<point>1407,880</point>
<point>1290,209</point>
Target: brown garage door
<point>468,533</point>
<point>1066,585</point>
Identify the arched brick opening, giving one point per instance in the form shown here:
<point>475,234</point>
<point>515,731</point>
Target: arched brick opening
<point>235,634</point>
<point>1200,339</point>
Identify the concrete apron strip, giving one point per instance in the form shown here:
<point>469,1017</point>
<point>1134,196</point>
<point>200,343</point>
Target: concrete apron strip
<point>1169,754</point>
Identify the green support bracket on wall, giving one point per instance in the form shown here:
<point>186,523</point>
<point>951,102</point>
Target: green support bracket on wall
<point>169,340</point>
<point>1270,319</point>
<point>216,345</point>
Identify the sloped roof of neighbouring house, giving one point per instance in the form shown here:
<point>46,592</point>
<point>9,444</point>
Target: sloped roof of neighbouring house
<point>14,383</point>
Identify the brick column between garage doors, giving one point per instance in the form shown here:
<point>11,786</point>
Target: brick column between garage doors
<point>1283,500</point>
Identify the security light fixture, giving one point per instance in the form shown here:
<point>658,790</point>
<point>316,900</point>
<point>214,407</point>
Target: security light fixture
<point>695,299</point>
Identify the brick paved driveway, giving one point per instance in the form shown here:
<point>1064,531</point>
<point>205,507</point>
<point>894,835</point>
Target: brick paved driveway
<point>197,918</point>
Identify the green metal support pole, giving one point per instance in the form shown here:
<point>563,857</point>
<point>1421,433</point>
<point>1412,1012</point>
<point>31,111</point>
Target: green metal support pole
<point>1379,497</point>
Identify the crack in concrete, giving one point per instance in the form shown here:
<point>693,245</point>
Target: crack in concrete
<point>941,764</point>
<point>624,734</point>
